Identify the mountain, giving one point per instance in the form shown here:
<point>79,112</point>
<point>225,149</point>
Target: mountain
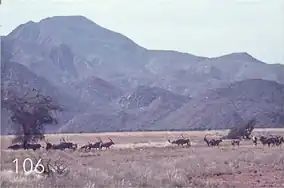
<point>96,90</point>
<point>138,109</point>
<point>144,96</point>
<point>232,105</point>
<point>21,79</point>
<point>111,83</point>
<point>68,49</point>
<point>192,75</point>
<point>151,108</point>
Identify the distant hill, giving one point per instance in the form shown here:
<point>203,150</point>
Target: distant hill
<point>232,105</point>
<point>138,109</point>
<point>111,83</point>
<point>219,108</point>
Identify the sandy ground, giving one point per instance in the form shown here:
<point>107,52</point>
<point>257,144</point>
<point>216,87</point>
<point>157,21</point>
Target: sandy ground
<point>146,159</point>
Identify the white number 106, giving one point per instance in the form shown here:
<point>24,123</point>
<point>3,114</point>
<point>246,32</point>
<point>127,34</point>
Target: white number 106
<point>38,168</point>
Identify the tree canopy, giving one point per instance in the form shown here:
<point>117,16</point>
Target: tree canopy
<point>243,131</point>
<point>30,112</point>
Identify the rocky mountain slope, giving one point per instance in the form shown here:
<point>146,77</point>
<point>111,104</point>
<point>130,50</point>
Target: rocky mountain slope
<point>18,77</point>
<point>115,84</point>
<point>138,109</point>
<point>220,108</point>
<point>229,106</point>
<point>66,49</point>
<point>96,90</point>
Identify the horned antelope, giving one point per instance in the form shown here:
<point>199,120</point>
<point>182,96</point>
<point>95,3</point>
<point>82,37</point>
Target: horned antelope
<point>212,142</point>
<point>180,141</point>
<point>107,144</point>
<point>53,146</point>
<point>68,145</point>
<point>267,141</point>
<point>216,142</point>
<point>86,147</point>
<point>98,144</point>
<point>61,146</point>
<point>236,142</point>
<point>206,140</point>
<point>279,140</point>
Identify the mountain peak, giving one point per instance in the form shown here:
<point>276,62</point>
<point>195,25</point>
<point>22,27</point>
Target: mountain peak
<point>59,27</point>
<point>240,56</point>
<point>73,19</point>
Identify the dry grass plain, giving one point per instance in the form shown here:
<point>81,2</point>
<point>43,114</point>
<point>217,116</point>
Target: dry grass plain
<point>146,159</point>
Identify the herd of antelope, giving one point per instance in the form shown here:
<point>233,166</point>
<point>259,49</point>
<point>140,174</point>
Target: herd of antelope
<point>63,145</point>
<point>270,141</point>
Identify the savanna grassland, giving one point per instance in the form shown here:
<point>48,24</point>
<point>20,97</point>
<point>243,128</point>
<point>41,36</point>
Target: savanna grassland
<point>147,159</point>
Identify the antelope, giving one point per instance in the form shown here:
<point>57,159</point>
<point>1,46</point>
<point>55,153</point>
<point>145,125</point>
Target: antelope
<point>213,142</point>
<point>279,140</point>
<point>49,145</point>
<point>254,140</point>
<point>106,144</point>
<point>98,144</point>
<point>27,146</point>
<point>235,142</point>
<point>181,141</point>
<point>86,147</point>
<point>268,140</point>
<point>53,146</point>
<point>61,146</point>
<point>68,145</point>
<point>16,146</point>
<point>33,146</point>
<point>206,140</point>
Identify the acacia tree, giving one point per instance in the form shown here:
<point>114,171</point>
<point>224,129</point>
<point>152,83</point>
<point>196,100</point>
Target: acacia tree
<point>242,131</point>
<point>29,113</point>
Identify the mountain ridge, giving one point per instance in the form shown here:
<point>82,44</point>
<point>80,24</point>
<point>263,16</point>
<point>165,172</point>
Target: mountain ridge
<point>99,67</point>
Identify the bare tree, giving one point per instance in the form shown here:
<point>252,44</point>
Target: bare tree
<point>29,113</point>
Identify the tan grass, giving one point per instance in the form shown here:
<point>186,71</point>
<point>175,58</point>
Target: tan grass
<point>141,159</point>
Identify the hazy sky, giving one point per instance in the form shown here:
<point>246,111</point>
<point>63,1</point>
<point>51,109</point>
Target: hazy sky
<point>201,27</point>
